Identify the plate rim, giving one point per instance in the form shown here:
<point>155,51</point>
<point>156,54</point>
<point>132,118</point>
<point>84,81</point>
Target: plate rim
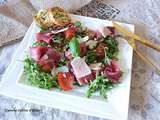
<point>9,68</point>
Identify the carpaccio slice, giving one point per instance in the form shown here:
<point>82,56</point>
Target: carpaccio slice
<point>107,30</point>
<point>112,71</point>
<point>83,49</point>
<point>37,52</point>
<point>44,56</point>
<point>52,54</point>
<point>43,37</point>
<point>86,79</point>
<point>68,54</point>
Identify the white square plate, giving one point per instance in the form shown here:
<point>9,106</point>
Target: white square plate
<point>115,107</point>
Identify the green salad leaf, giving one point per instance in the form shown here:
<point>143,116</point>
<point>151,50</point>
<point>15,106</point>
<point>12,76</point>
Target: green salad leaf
<point>40,44</point>
<point>74,46</point>
<point>57,38</point>
<point>113,45</point>
<point>106,59</point>
<point>37,77</point>
<point>81,33</point>
<point>78,24</point>
<point>82,30</point>
<point>100,84</point>
<point>42,29</point>
<point>62,62</point>
<point>91,56</point>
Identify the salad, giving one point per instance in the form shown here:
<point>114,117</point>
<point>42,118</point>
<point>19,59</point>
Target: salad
<point>66,55</point>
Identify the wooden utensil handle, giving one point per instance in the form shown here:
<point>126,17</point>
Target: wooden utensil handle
<point>147,60</point>
<point>144,58</point>
<point>148,43</point>
<point>136,37</point>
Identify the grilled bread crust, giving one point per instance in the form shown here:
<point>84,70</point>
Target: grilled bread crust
<point>52,17</point>
<point>59,16</point>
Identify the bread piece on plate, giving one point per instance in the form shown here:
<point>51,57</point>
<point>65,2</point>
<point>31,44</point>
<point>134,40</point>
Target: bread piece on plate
<point>43,20</point>
<point>59,16</point>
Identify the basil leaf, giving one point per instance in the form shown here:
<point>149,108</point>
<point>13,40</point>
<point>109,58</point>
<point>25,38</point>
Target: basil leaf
<point>77,24</point>
<point>74,46</point>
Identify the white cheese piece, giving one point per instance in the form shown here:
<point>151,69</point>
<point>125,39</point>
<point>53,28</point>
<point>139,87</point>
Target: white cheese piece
<point>59,31</point>
<point>55,71</point>
<point>84,58</point>
<point>80,68</point>
<point>91,44</point>
<point>84,39</point>
<point>63,69</point>
<point>95,66</point>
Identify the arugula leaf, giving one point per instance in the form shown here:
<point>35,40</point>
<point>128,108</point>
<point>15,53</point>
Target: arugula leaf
<point>57,38</point>
<point>42,29</point>
<point>38,77</point>
<point>113,44</point>
<point>62,62</point>
<point>74,46</point>
<point>91,57</point>
<point>82,30</point>
<point>101,84</point>
<point>40,44</point>
<point>106,59</point>
<point>81,33</point>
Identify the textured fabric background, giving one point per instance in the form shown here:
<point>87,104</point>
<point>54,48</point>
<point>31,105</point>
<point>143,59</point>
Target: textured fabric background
<point>18,14</point>
<point>145,88</point>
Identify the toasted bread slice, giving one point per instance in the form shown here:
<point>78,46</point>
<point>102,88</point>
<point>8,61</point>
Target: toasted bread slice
<point>59,16</point>
<point>52,17</point>
<point>42,19</point>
